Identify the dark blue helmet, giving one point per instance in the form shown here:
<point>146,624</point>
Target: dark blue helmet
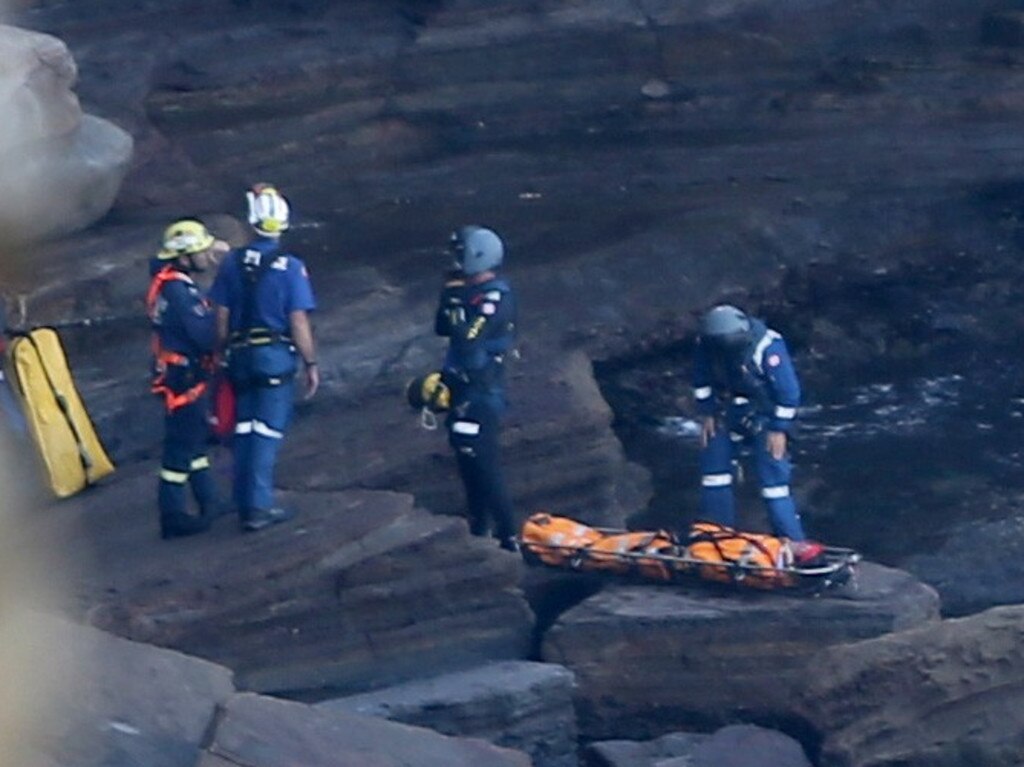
<point>476,249</point>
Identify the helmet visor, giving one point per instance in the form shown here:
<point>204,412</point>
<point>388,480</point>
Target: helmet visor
<point>729,344</point>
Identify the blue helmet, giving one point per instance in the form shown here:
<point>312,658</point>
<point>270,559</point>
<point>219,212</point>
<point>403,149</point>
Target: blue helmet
<point>725,327</point>
<point>476,249</point>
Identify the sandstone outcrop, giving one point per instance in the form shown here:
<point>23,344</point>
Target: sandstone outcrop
<point>650,660</point>
<point>741,745</point>
<point>517,704</point>
<point>257,731</point>
<point>362,590</point>
<point>944,693</point>
<point>978,567</point>
<point>641,159</point>
<point>61,169</point>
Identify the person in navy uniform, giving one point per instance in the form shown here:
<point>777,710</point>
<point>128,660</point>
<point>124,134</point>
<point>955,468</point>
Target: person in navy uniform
<point>747,392</point>
<point>477,313</point>
<point>263,297</point>
<point>184,340</point>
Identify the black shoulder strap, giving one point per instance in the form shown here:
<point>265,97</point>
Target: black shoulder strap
<point>252,275</point>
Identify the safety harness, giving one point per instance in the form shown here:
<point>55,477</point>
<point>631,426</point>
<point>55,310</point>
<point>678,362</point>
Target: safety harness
<point>250,333</point>
<point>163,358</point>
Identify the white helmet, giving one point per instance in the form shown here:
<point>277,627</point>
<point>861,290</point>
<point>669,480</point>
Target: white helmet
<point>268,210</point>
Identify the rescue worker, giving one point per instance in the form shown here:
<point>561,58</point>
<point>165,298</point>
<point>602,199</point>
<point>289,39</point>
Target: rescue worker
<point>477,312</point>
<point>184,340</point>
<point>263,296</point>
<point>747,391</point>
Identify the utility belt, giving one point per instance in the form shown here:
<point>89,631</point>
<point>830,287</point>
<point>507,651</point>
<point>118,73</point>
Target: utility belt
<point>260,358</point>
<point>259,337</point>
<point>743,415</point>
<point>179,379</point>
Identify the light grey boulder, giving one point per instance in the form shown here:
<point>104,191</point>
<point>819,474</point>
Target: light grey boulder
<point>59,168</point>
<point>111,702</point>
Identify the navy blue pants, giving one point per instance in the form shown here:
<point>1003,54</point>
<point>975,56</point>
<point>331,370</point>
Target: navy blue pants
<point>185,462</point>
<point>473,433</point>
<point>717,502</point>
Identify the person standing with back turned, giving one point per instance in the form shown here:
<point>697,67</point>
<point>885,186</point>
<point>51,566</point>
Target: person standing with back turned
<point>263,296</point>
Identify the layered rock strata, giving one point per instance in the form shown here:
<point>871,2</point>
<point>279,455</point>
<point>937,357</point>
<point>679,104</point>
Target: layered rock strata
<point>520,705</point>
<point>360,591</point>
<point>946,693</point>
<point>650,660</point>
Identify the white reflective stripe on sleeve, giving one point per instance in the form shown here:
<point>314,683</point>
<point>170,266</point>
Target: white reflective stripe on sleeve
<point>772,493</point>
<point>785,413</point>
<point>762,346</point>
<point>243,427</point>
<point>469,428</point>
<point>200,463</point>
<point>716,480</point>
<point>702,392</point>
<point>265,431</point>
<point>174,477</point>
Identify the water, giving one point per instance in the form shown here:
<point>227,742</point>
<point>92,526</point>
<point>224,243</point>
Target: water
<point>891,464</point>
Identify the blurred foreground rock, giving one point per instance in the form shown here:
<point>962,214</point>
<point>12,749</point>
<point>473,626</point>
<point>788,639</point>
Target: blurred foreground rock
<point>258,731</point>
<point>125,704</point>
<point>115,702</point>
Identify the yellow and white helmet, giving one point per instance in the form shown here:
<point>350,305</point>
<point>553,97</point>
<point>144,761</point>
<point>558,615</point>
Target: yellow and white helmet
<point>268,210</point>
<point>185,238</point>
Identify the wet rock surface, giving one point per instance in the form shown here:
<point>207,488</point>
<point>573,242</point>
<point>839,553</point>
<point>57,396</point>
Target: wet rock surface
<point>517,704</point>
<point>651,659</point>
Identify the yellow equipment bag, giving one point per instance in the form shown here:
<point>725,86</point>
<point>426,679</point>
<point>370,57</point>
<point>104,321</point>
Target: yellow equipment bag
<point>720,553</point>
<point>60,426</point>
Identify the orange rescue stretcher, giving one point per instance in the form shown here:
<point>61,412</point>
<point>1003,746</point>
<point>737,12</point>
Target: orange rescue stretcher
<point>711,552</point>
